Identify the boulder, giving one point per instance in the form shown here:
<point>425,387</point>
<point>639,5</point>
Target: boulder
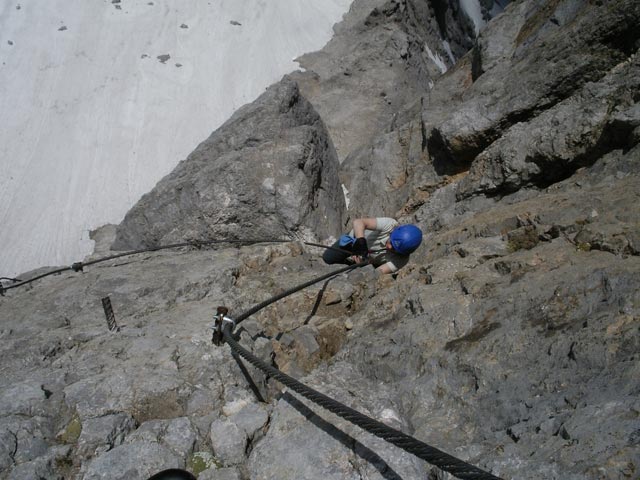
<point>103,433</point>
<point>136,461</point>
<point>510,340</point>
<point>269,172</point>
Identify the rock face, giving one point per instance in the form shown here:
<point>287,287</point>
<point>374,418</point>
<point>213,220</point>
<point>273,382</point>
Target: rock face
<point>367,84</point>
<point>510,340</point>
<point>268,172</point>
<point>600,117</point>
<point>384,55</point>
<point>529,60</point>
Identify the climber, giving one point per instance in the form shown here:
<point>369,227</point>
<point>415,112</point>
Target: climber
<point>388,242</point>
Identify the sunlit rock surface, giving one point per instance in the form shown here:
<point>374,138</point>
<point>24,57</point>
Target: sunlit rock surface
<point>510,340</point>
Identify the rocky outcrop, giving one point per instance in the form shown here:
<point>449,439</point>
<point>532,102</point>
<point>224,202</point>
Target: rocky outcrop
<point>268,172</point>
<point>532,57</point>
<point>600,117</point>
<point>384,55</point>
<point>367,84</point>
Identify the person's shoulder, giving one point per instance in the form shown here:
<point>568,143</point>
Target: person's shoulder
<point>386,223</point>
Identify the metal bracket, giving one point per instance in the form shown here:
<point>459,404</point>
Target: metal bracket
<point>219,321</point>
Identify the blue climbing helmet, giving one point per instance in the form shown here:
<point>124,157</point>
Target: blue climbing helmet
<point>405,239</point>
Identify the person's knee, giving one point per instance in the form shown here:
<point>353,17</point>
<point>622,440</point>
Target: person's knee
<point>328,257</point>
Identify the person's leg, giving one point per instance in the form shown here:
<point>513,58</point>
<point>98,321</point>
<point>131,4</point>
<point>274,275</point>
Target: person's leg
<point>335,255</point>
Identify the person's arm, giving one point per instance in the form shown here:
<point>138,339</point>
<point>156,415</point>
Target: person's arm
<point>394,264</point>
<point>362,224</point>
<point>360,248</point>
<point>385,268</point>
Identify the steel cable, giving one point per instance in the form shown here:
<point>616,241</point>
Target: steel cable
<point>78,266</point>
<point>286,293</point>
<point>432,455</point>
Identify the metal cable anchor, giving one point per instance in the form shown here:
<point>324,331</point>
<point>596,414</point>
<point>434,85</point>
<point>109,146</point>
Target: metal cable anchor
<point>219,321</point>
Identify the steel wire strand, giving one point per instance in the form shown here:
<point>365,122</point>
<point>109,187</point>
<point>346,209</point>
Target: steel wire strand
<point>80,265</point>
<point>432,455</point>
<point>38,277</point>
<point>196,243</point>
<point>286,293</point>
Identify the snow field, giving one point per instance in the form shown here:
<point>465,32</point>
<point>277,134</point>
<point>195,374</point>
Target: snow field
<point>98,103</point>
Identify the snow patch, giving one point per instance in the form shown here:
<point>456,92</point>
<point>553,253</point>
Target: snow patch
<point>474,12</point>
<point>436,59</point>
<point>447,48</point>
<point>346,195</point>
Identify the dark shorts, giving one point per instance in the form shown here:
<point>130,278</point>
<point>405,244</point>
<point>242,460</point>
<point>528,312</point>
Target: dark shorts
<point>337,254</point>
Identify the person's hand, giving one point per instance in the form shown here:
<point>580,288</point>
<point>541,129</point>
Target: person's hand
<point>360,248</point>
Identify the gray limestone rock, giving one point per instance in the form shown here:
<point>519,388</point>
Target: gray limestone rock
<point>245,428</point>
<point>510,340</point>
<point>229,473</point>
<point>40,468</point>
<point>104,433</point>
<point>319,436</point>
<point>268,172</point>
<point>24,438</point>
<point>122,391</point>
<point>23,399</point>
<point>251,419</point>
<point>556,50</point>
<point>574,133</point>
<point>377,62</point>
<point>178,434</point>
<point>390,163</point>
<point>8,445</point>
<point>135,461</point>
<point>229,441</point>
<point>75,383</point>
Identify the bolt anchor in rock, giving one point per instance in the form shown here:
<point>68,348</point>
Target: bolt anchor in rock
<point>219,321</point>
